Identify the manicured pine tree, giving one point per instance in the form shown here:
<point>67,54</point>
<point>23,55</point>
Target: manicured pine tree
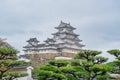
<point>8,59</point>
<point>92,65</point>
<point>116,62</point>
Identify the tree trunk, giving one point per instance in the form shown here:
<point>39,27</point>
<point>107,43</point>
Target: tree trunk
<point>11,78</point>
<point>1,75</point>
<point>59,79</point>
<point>89,78</point>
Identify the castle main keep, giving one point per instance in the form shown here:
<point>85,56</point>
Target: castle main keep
<point>64,43</point>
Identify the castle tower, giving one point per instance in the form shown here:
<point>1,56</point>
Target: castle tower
<point>66,39</point>
<point>32,46</point>
<point>50,46</point>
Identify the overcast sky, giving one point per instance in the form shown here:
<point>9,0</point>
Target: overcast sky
<point>97,21</point>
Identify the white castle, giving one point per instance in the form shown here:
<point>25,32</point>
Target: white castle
<point>63,41</point>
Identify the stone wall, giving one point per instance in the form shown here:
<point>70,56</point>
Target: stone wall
<point>40,59</point>
<point>71,55</point>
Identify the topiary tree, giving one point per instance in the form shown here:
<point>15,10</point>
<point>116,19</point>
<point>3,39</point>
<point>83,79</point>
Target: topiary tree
<point>114,52</point>
<point>69,72</point>
<point>116,62</point>
<point>8,60</point>
<point>58,63</point>
<point>92,64</point>
<point>13,75</point>
<point>50,72</point>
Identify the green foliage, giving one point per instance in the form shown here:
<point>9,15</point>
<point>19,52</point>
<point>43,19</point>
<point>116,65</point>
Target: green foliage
<point>86,65</point>
<point>118,58</point>
<point>91,63</point>
<point>112,65</point>
<point>44,75</point>
<point>67,69</point>
<point>49,68</point>
<point>8,60</point>
<point>116,66</point>
<point>13,75</point>
<point>6,65</point>
<point>115,63</point>
<point>59,76</point>
<point>100,59</point>
<point>101,69</point>
<point>75,62</point>
<point>87,54</point>
<point>78,68</point>
<point>7,53</point>
<point>115,52</point>
<point>58,63</point>
<point>35,71</point>
<point>103,77</point>
<point>82,74</point>
<point>69,77</point>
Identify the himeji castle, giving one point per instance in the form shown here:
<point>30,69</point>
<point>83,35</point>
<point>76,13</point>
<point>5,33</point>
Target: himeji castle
<point>63,43</point>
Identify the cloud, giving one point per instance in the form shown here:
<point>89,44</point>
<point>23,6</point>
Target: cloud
<point>97,22</point>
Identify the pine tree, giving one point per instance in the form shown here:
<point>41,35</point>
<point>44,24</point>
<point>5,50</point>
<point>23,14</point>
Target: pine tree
<point>8,58</point>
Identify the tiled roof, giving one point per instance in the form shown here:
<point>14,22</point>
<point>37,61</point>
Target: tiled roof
<point>64,25</point>
<point>32,40</point>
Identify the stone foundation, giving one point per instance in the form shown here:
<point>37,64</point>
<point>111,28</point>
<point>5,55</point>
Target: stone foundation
<point>40,59</point>
<point>71,55</point>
